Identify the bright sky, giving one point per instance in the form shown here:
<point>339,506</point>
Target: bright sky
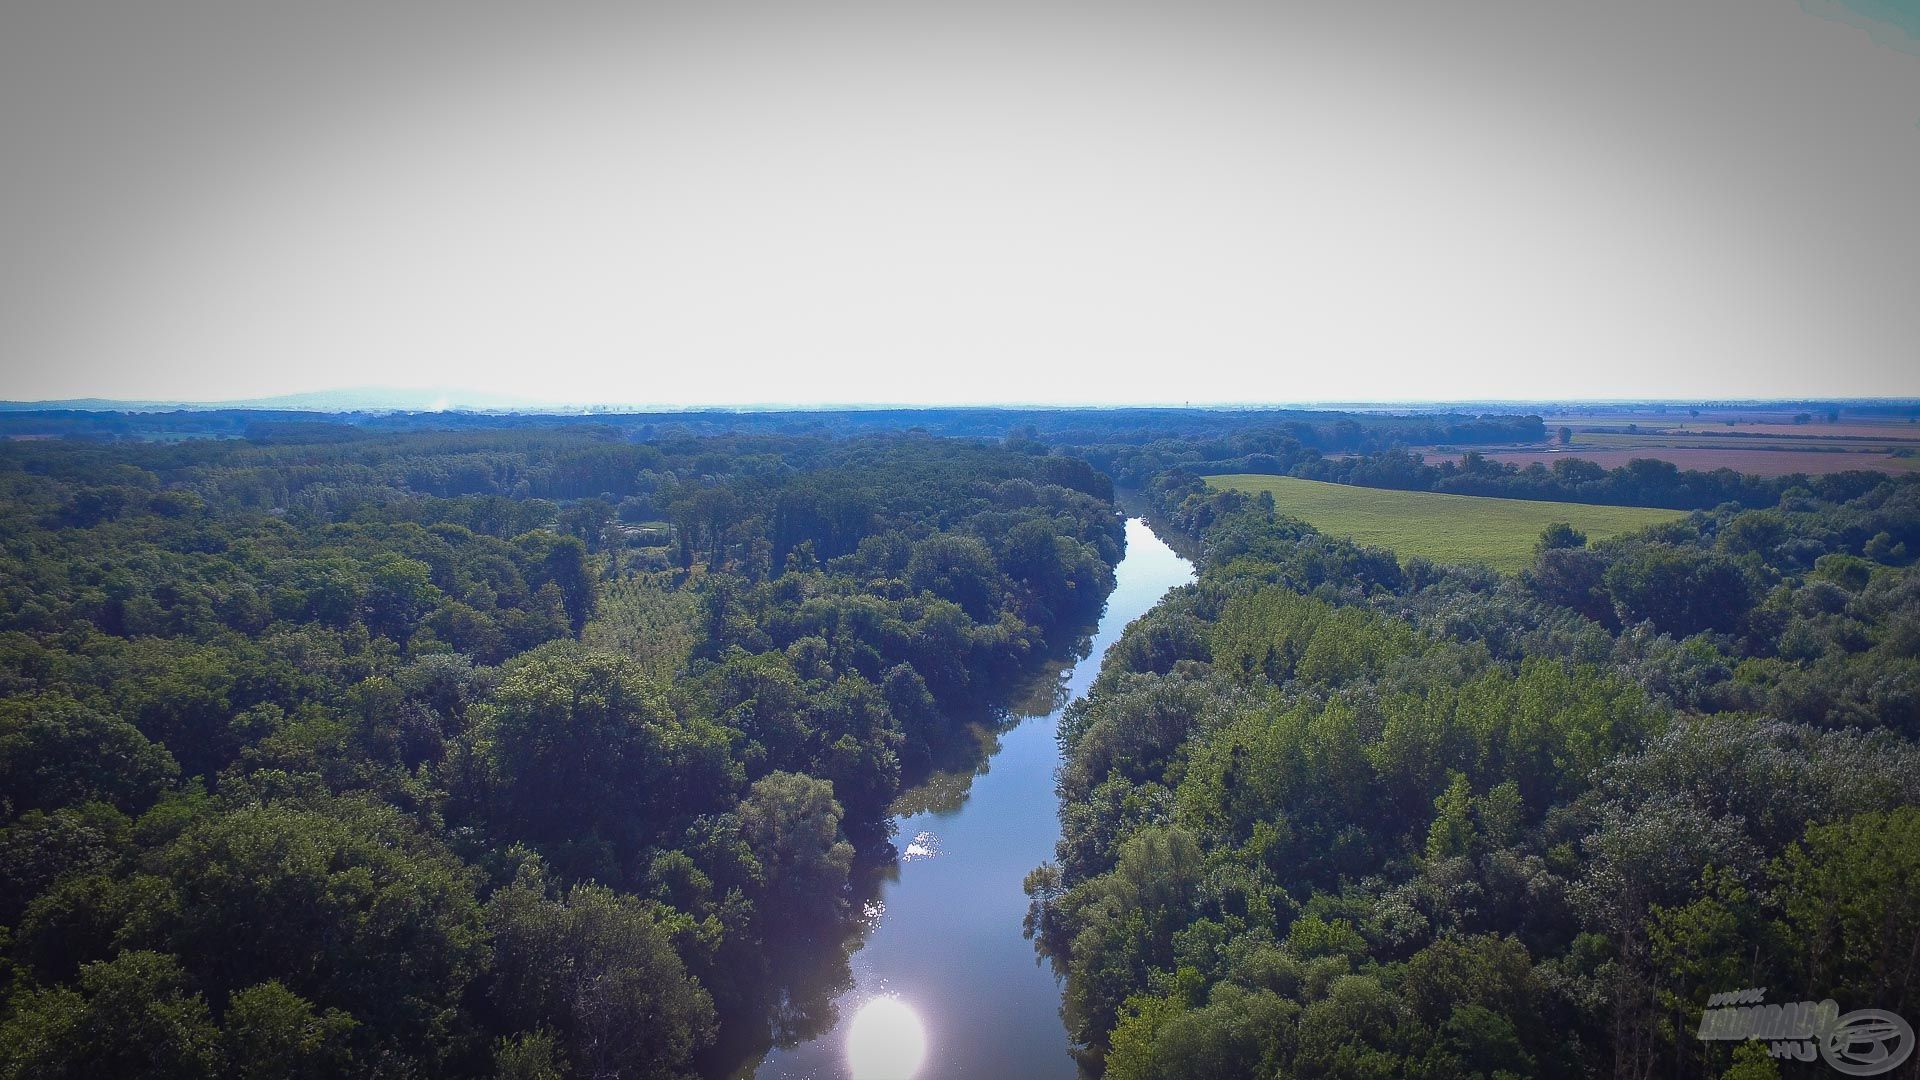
<point>908,201</point>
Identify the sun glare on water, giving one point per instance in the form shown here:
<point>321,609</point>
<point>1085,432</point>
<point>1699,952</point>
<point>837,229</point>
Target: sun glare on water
<point>886,1041</point>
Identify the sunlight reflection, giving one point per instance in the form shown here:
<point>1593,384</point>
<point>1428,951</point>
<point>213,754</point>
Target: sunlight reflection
<point>885,1041</point>
<point>925,845</point>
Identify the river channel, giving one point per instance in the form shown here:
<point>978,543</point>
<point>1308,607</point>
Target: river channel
<point>944,984</point>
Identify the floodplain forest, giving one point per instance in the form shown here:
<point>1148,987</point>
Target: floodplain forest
<point>443,745</point>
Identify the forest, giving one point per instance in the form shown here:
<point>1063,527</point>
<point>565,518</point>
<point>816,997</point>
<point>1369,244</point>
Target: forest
<point>568,749</point>
<point>1323,429</point>
<point>1331,813</point>
<point>524,752</point>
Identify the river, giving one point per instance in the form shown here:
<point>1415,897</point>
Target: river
<point>944,984</point>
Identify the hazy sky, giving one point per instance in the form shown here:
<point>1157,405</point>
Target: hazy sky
<point>908,201</point>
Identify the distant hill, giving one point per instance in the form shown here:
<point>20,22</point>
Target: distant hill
<point>350,399</point>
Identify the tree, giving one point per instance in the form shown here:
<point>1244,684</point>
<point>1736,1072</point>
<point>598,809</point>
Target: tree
<point>1559,536</point>
<point>345,904</point>
<point>88,916</point>
<point>400,592</point>
<point>272,1033</point>
<point>135,1016</point>
<point>861,751</point>
<point>581,756</point>
<point>1452,831</point>
<point>1237,1033</point>
<point>566,565</point>
<point>595,968</point>
<point>1851,890</point>
<point>960,569</point>
<point>41,848</point>
<point>533,1055</point>
<point>587,520</point>
<point>1751,1061</point>
<point>1572,577</point>
<point>56,752</point>
<point>1127,919</point>
<point>1681,591</point>
<point>792,824</point>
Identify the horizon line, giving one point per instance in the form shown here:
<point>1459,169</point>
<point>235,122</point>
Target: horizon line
<point>290,402</point>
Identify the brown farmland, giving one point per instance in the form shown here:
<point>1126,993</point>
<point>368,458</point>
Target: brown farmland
<point>1757,462</point>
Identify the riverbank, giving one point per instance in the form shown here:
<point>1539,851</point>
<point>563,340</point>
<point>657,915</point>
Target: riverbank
<point>959,987</point>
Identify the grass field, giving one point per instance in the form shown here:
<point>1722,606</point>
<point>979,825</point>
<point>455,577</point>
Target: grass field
<point>1446,528</point>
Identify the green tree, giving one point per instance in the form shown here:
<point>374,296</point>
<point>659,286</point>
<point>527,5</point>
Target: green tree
<point>1451,834</point>
<point>1680,590</point>
<point>56,752</point>
<point>1560,535</point>
<point>135,1016</point>
<point>533,1055</point>
<point>581,755</point>
<point>272,1033</point>
<point>1851,890</point>
<point>596,968</point>
<point>1751,1061</point>
<point>792,824</point>
<point>346,904</point>
<point>960,569</point>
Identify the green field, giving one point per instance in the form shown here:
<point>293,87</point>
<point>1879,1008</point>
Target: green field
<point>1445,528</point>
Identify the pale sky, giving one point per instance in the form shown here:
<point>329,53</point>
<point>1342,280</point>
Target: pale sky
<point>906,201</point>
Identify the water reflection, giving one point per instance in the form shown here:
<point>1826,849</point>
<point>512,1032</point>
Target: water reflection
<point>886,1041</point>
<point>941,911</point>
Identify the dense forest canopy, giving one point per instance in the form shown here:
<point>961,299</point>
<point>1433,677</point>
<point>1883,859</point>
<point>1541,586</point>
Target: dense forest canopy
<point>506,752</point>
<point>462,746</point>
<point>1329,813</point>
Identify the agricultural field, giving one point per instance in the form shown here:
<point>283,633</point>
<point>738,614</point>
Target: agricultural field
<point>1799,420</point>
<point>1446,528</point>
<point>1756,441</point>
<point>1708,440</point>
<point>1754,460</point>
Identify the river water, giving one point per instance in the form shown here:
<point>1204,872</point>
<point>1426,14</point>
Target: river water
<point>944,984</point>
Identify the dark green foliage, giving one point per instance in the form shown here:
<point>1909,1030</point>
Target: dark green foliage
<point>134,1016</point>
<point>792,825</point>
<point>345,902</point>
<point>1561,535</point>
<point>56,752</point>
<point>306,771</point>
<point>271,1032</point>
<point>1328,817</point>
<point>597,969</point>
<point>578,755</point>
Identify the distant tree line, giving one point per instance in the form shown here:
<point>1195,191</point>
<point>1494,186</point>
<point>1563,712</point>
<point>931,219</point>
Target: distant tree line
<point>1640,482</point>
<point>1323,429</point>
